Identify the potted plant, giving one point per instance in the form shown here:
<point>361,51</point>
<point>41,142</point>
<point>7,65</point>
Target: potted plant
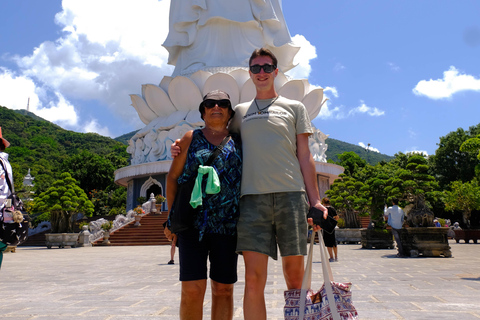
<point>106,226</point>
<point>61,204</point>
<point>138,212</point>
<point>159,202</point>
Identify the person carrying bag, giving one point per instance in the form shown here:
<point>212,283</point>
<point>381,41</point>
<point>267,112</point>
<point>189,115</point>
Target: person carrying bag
<point>332,301</point>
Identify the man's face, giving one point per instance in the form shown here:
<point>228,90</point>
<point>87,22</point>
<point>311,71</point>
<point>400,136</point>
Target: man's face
<point>263,80</point>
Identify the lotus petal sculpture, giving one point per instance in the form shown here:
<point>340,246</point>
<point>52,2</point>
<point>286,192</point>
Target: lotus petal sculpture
<point>171,108</point>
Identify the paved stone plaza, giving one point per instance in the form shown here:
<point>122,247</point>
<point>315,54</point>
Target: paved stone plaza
<point>127,283</point>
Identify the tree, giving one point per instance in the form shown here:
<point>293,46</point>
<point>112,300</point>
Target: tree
<point>92,171</point>
<point>450,163</point>
<point>473,145</point>
<point>463,196</point>
<point>413,182</point>
<point>346,196</point>
<point>351,162</point>
<point>374,191</point>
<point>62,202</point>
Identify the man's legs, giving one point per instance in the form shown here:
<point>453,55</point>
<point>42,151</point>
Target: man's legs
<point>222,301</point>
<point>293,270</point>
<point>191,303</point>
<point>398,240</point>
<point>256,267</point>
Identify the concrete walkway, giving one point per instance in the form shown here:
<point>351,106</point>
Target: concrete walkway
<point>133,283</point>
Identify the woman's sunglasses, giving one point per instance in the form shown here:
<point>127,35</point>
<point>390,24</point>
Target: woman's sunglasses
<point>268,68</point>
<point>209,104</point>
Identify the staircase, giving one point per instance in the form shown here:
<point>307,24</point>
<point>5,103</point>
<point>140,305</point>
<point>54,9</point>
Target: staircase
<point>149,233</point>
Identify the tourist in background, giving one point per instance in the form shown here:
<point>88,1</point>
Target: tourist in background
<point>396,216</point>
<point>329,238</point>
<point>5,175</point>
<point>214,235</point>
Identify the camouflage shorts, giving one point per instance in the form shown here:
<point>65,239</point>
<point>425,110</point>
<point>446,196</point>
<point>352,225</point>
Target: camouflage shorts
<point>270,219</point>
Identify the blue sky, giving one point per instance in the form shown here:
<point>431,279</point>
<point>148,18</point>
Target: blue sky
<point>398,74</point>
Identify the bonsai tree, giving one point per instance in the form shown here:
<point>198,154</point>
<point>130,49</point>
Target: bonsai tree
<point>374,191</point>
<point>347,198</point>
<point>416,188</point>
<point>62,202</point>
<point>464,197</point>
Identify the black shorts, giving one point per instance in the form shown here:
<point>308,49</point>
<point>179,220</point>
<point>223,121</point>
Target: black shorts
<point>218,248</point>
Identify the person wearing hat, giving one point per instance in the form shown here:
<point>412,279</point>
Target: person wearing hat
<point>213,235</point>
<point>5,173</point>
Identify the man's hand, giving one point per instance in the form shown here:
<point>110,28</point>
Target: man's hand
<point>175,149</point>
<point>316,227</point>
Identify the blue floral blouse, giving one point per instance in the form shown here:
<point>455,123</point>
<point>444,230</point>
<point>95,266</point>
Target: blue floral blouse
<point>219,212</point>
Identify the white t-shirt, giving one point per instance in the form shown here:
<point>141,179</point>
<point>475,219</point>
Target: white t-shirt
<point>4,190</point>
<point>269,139</point>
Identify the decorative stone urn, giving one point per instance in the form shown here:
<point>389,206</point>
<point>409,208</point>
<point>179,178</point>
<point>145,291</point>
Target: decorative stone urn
<point>106,236</point>
<point>84,238</point>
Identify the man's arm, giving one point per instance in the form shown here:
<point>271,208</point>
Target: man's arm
<point>307,166</point>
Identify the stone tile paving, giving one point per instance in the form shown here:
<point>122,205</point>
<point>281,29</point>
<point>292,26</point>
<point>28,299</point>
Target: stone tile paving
<point>132,283</point>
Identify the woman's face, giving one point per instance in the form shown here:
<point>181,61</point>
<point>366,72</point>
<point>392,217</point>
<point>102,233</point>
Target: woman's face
<point>216,111</point>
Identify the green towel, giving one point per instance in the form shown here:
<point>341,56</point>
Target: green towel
<point>213,185</point>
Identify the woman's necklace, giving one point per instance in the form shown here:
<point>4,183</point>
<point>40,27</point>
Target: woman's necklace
<point>266,106</point>
<point>215,133</point>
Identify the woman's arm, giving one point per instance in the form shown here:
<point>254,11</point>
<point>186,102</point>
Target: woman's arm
<point>174,173</point>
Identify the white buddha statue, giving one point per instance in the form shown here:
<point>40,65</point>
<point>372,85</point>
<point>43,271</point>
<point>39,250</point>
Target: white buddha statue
<point>224,33</point>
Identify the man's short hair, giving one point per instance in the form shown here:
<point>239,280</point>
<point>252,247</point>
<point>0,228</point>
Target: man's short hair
<point>2,146</point>
<point>395,201</point>
<point>265,53</point>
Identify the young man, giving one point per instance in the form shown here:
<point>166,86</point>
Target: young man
<point>278,169</point>
<point>395,220</point>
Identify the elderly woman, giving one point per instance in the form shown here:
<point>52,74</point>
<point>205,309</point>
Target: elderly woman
<point>213,234</point>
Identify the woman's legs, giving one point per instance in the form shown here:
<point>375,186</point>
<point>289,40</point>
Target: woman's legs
<point>222,301</point>
<point>191,303</point>
<point>330,252</point>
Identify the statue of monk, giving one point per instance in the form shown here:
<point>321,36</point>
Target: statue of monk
<point>224,33</point>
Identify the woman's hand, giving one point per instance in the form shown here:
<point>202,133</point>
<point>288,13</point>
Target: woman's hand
<point>175,149</point>
<point>170,236</point>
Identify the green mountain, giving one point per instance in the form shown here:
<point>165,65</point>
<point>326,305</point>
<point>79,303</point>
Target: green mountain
<point>48,150</point>
<point>337,147</point>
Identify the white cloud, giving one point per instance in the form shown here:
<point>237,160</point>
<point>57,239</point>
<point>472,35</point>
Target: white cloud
<point>368,147</point>
<point>453,81</point>
<point>306,53</point>
<point>93,126</point>
<point>333,90</point>
<point>106,51</point>
<point>339,67</point>
<point>393,66</point>
<point>363,108</point>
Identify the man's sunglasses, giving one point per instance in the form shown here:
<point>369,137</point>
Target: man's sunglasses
<point>268,68</point>
<point>209,104</point>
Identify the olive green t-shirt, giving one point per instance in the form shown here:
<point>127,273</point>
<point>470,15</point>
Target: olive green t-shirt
<point>269,139</point>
